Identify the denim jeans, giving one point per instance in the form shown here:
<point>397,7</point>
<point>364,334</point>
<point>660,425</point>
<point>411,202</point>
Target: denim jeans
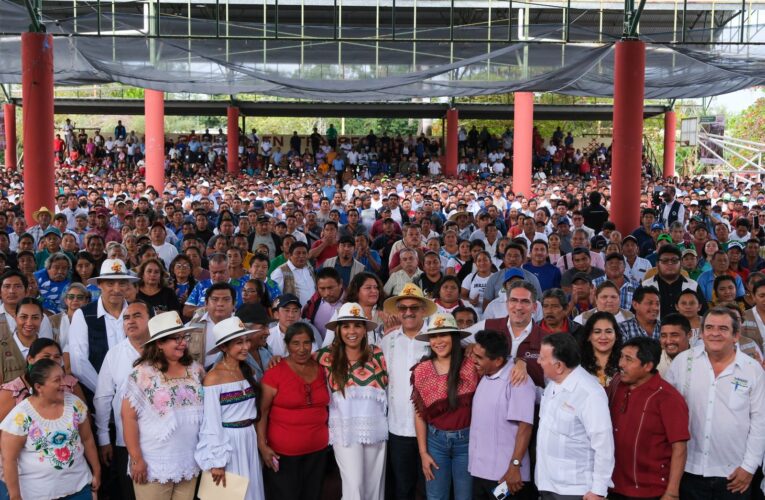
<point>449,450</point>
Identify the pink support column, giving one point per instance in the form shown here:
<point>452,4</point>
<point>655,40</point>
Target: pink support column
<point>629,88</point>
<point>154,109</point>
<point>670,124</point>
<point>232,139</point>
<point>9,115</point>
<point>523,123</point>
<point>37,92</point>
<point>452,142</point>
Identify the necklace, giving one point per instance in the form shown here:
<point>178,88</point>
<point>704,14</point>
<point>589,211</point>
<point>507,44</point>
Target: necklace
<point>228,368</point>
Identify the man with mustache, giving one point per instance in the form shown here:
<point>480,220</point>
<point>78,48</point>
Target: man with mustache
<point>402,351</point>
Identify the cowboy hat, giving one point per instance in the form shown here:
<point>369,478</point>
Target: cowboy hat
<point>351,311</point>
<point>113,269</point>
<point>453,217</point>
<point>410,291</point>
<point>43,210</point>
<point>228,329</point>
<point>166,324</point>
<point>441,323</point>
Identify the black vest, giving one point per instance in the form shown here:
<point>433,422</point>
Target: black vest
<point>674,211</point>
<point>98,344</point>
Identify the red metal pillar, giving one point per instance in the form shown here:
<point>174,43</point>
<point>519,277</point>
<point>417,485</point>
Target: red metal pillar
<point>154,109</point>
<point>9,114</point>
<point>629,88</point>
<point>232,140</point>
<point>523,142</point>
<point>37,112</point>
<point>670,123</point>
<point>452,142</point>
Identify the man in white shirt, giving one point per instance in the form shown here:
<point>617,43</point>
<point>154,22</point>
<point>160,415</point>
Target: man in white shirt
<point>287,312</point>
<point>117,366</point>
<point>575,443</point>
<point>402,351</point>
<point>296,276</point>
<point>725,392</point>
<point>97,327</point>
<point>165,251</point>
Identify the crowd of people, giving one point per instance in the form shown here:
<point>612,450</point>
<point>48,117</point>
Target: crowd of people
<point>427,336</point>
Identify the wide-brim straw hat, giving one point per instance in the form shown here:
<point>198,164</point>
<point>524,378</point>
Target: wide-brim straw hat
<point>42,210</point>
<point>453,217</point>
<point>226,330</point>
<point>410,291</point>
<point>165,325</point>
<point>442,323</point>
<point>113,269</point>
<point>351,311</point>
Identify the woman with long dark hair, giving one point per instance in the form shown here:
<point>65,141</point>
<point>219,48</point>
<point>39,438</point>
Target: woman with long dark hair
<point>447,295</point>
<point>444,383</point>
<point>162,412</point>
<point>358,427</point>
<point>154,289</point>
<point>600,343</point>
<point>228,438</point>
<point>182,277</point>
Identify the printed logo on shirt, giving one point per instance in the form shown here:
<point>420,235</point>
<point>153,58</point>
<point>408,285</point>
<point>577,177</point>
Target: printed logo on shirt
<point>531,355</point>
<point>739,383</point>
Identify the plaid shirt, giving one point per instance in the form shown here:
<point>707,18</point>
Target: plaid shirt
<point>625,292</point>
<point>631,328</point>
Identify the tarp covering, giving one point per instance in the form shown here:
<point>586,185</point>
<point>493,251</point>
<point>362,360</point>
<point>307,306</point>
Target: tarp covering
<point>366,71</point>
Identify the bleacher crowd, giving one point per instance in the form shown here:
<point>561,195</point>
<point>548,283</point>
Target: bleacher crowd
<point>351,306</point>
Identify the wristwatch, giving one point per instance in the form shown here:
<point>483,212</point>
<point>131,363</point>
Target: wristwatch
<point>515,462</point>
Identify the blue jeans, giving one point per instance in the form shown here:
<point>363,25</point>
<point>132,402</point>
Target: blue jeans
<point>84,494</point>
<point>449,450</point>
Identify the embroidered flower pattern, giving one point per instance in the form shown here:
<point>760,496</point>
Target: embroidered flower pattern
<point>164,396</point>
<point>59,447</point>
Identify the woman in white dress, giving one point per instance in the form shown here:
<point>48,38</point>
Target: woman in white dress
<point>227,440</point>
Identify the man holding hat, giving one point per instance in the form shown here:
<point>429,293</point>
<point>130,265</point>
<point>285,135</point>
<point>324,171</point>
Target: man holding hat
<point>402,351</point>
<point>98,326</point>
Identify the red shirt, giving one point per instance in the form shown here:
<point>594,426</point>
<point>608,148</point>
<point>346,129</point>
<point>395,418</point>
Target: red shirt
<point>328,252</point>
<point>646,421</point>
<point>297,423</point>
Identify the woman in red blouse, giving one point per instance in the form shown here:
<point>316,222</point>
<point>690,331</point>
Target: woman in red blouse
<point>443,387</point>
<point>293,435</point>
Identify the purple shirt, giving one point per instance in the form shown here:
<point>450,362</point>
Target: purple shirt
<point>497,409</point>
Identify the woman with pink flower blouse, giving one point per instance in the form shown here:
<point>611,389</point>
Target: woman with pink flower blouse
<point>47,442</point>
<point>162,413</point>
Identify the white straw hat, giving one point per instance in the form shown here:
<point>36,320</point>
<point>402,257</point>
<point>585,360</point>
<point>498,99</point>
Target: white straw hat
<point>165,325</point>
<point>351,311</point>
<point>113,269</point>
<point>228,329</point>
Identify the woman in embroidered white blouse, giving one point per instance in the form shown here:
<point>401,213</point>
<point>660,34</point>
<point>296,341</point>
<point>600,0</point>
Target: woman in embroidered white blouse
<point>162,413</point>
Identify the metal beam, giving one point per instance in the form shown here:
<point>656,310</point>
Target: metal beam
<point>589,112</point>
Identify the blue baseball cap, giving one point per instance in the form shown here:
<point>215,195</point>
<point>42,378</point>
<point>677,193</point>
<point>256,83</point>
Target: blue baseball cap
<point>513,272</point>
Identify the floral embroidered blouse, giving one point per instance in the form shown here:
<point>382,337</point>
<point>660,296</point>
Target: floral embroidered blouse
<point>360,415</point>
<point>169,418</point>
<point>52,463</point>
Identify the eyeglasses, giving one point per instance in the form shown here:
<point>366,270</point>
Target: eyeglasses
<point>72,296</point>
<point>182,266</point>
<point>180,338</point>
<point>403,308</point>
<point>308,392</point>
